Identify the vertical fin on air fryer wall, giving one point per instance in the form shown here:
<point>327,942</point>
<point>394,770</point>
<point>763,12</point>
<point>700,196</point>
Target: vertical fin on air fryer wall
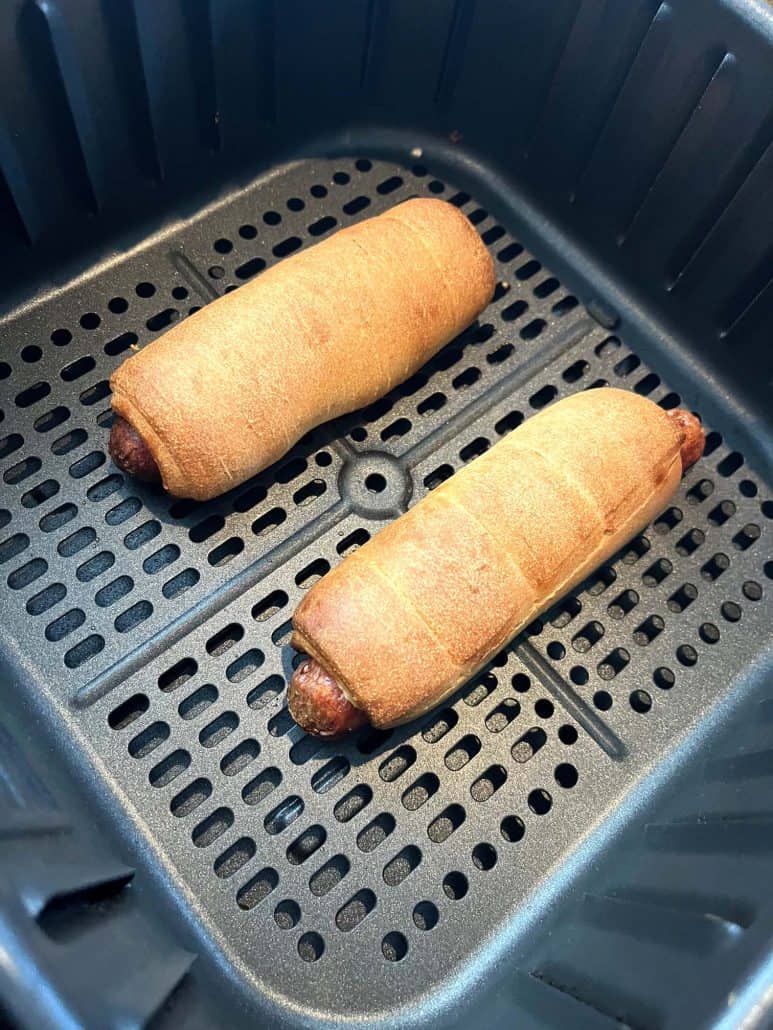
<point>649,51</point>
<point>15,184</point>
<point>196,31</point>
<point>661,70</point>
<point>453,55</point>
<point>739,239</point>
<point>243,61</point>
<point>741,161</point>
<point>666,925</point>
<point>585,86</point>
<point>372,50</point>
<point>692,144</point>
<point>554,1007</point>
<point>714,833</point>
<point>77,944</point>
<point>552,73</point>
<point>169,83</point>
<point>68,61</point>
<point>755,317</point>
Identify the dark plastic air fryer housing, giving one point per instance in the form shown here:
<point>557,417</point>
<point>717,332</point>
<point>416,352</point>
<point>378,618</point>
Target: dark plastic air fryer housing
<point>583,835</point>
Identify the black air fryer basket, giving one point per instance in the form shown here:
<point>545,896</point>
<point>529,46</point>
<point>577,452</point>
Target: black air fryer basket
<point>583,835</point>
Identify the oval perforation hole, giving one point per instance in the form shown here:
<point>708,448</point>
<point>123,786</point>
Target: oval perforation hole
<point>394,946</point>
<point>420,792</point>
<point>9,444</point>
<point>180,583</point>
<point>149,739</point>
<point>376,832</point>
<point>177,674</point>
<point>353,803</point>
<point>330,775</point>
<point>329,875</point>
<point>128,711</point>
<point>484,857</point>
<point>446,824</point>
<point>614,663</point>
<point>305,845</point>
<point>308,576</point>
<point>455,886</point>
<point>540,801</point>
<point>259,788</point>
<point>285,813</point>
<point>257,888</point>
<point>439,725</point>
<point>648,630</point>
<point>57,518</point>
<point>589,635</point>
<point>723,511</point>
<point>132,617</point>
<point>269,605</point>
<point>217,730</point>
<point>21,470</point>
<point>623,604</point>
<point>462,752</point>
<point>397,763</point>
<point>114,591</point>
<point>238,758</point>
<point>46,599</point>
<point>526,747</point>
<point>311,946</point>
<point>169,768</point>
<point>488,783</point>
<point>512,829</point>
<point>245,665</point>
<point>84,651</point>
<point>499,718</point>
<point>13,546</point>
<point>215,825</point>
<point>401,866</point>
<point>104,487</point>
<point>425,915</point>
<point>355,910</point>
<point>480,689</point>
<point>26,574</point>
<point>281,723</point>
<point>197,702</point>
<point>65,624</point>
<point>224,639</point>
<point>265,692</point>
<point>234,857</point>
<point>287,914</point>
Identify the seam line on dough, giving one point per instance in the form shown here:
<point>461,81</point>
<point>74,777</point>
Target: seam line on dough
<point>562,588</point>
<point>415,232</point>
<point>376,350</point>
<point>497,546</point>
<point>410,605</point>
<point>565,475</point>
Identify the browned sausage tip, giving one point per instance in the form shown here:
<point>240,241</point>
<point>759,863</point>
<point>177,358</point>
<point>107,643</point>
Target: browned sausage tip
<point>130,452</point>
<point>693,439</point>
<point>318,704</point>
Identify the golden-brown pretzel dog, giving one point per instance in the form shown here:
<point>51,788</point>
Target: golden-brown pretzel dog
<point>406,619</point>
<point>228,391</point>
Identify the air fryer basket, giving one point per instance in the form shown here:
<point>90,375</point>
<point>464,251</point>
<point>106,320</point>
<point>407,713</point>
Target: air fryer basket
<point>583,834</point>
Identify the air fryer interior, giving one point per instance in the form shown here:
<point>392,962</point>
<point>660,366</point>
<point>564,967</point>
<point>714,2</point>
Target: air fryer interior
<point>581,834</point>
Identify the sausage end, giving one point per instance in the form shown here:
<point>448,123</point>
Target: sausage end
<point>130,452</point>
<point>693,438</point>
<point>318,704</point>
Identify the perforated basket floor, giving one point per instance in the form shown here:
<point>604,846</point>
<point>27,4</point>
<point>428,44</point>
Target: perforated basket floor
<point>347,878</point>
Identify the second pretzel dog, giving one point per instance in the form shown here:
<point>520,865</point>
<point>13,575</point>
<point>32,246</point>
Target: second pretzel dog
<point>228,391</point>
<point>404,621</point>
